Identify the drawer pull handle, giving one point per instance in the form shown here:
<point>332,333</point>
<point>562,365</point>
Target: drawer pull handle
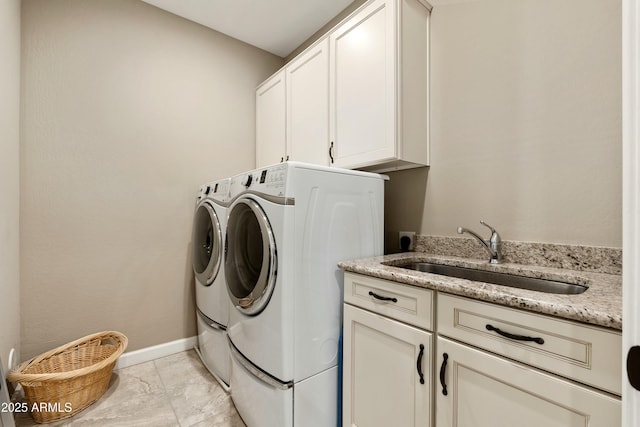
<point>381,298</point>
<point>514,337</point>
<point>443,369</point>
<point>419,364</point>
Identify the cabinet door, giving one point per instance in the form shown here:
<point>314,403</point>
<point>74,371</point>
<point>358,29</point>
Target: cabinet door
<point>381,382</point>
<point>270,121</point>
<point>362,87</point>
<point>484,390</point>
<point>308,106</point>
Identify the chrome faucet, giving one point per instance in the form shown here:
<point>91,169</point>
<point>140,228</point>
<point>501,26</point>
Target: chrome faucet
<point>493,245</point>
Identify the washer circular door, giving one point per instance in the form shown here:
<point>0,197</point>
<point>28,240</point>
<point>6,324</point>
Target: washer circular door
<point>250,257</point>
<point>207,244</point>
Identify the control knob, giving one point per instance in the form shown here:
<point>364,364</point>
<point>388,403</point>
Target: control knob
<point>247,181</point>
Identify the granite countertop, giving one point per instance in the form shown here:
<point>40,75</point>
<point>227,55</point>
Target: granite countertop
<point>600,305</point>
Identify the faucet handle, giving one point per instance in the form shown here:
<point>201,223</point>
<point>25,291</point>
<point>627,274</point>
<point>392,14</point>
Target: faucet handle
<point>494,241</point>
<point>493,230</point>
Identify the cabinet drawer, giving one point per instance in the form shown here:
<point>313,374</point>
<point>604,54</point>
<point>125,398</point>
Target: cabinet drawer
<point>412,304</point>
<point>584,353</point>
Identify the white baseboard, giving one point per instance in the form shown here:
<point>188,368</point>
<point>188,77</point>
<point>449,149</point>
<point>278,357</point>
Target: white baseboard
<point>154,352</point>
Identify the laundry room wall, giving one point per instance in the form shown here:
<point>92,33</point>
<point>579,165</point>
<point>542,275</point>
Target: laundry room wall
<point>127,109</point>
<point>326,28</point>
<point>526,132</point>
<point>9,178</point>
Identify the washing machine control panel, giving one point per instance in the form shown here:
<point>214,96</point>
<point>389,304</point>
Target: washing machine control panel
<point>274,177</point>
<point>270,180</point>
<point>218,190</point>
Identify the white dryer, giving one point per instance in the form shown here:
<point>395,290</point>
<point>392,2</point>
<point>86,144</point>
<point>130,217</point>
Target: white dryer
<point>212,302</point>
<point>288,227</point>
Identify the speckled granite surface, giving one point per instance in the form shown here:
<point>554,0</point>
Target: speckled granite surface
<point>600,305</point>
<point>572,257</point>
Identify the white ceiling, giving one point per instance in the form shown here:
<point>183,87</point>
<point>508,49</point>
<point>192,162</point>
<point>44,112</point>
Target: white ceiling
<point>277,26</point>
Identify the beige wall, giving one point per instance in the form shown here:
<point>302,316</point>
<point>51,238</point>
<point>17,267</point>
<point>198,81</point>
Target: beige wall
<point>525,123</point>
<point>127,109</point>
<point>325,28</point>
<point>9,177</point>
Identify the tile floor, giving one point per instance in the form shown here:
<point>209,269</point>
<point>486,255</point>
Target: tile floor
<point>176,390</point>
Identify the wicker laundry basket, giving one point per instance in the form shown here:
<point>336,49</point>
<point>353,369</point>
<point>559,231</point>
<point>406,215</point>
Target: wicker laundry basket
<point>61,382</point>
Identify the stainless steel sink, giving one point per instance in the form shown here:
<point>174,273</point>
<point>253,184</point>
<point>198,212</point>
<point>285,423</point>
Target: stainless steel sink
<point>512,280</point>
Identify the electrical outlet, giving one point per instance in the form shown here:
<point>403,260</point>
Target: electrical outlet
<point>406,240</point>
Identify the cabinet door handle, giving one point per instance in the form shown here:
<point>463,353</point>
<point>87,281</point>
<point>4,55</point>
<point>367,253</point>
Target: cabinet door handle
<point>419,364</point>
<point>287,157</point>
<point>514,337</point>
<point>281,159</point>
<point>381,298</point>
<point>331,152</point>
<point>633,367</point>
<point>443,369</point>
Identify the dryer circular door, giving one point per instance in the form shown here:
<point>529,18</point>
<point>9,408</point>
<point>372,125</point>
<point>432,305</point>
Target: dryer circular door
<point>207,244</point>
<point>250,257</point>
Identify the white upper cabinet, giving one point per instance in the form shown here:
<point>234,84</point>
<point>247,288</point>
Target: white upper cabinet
<point>308,105</point>
<point>270,120</point>
<point>357,98</point>
<point>379,87</point>
<point>292,111</point>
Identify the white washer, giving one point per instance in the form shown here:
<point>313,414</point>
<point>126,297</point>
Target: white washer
<point>288,227</point>
<point>212,302</point>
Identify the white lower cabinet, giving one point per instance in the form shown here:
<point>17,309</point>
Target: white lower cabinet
<point>387,372</point>
<point>479,389</point>
<point>493,366</point>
